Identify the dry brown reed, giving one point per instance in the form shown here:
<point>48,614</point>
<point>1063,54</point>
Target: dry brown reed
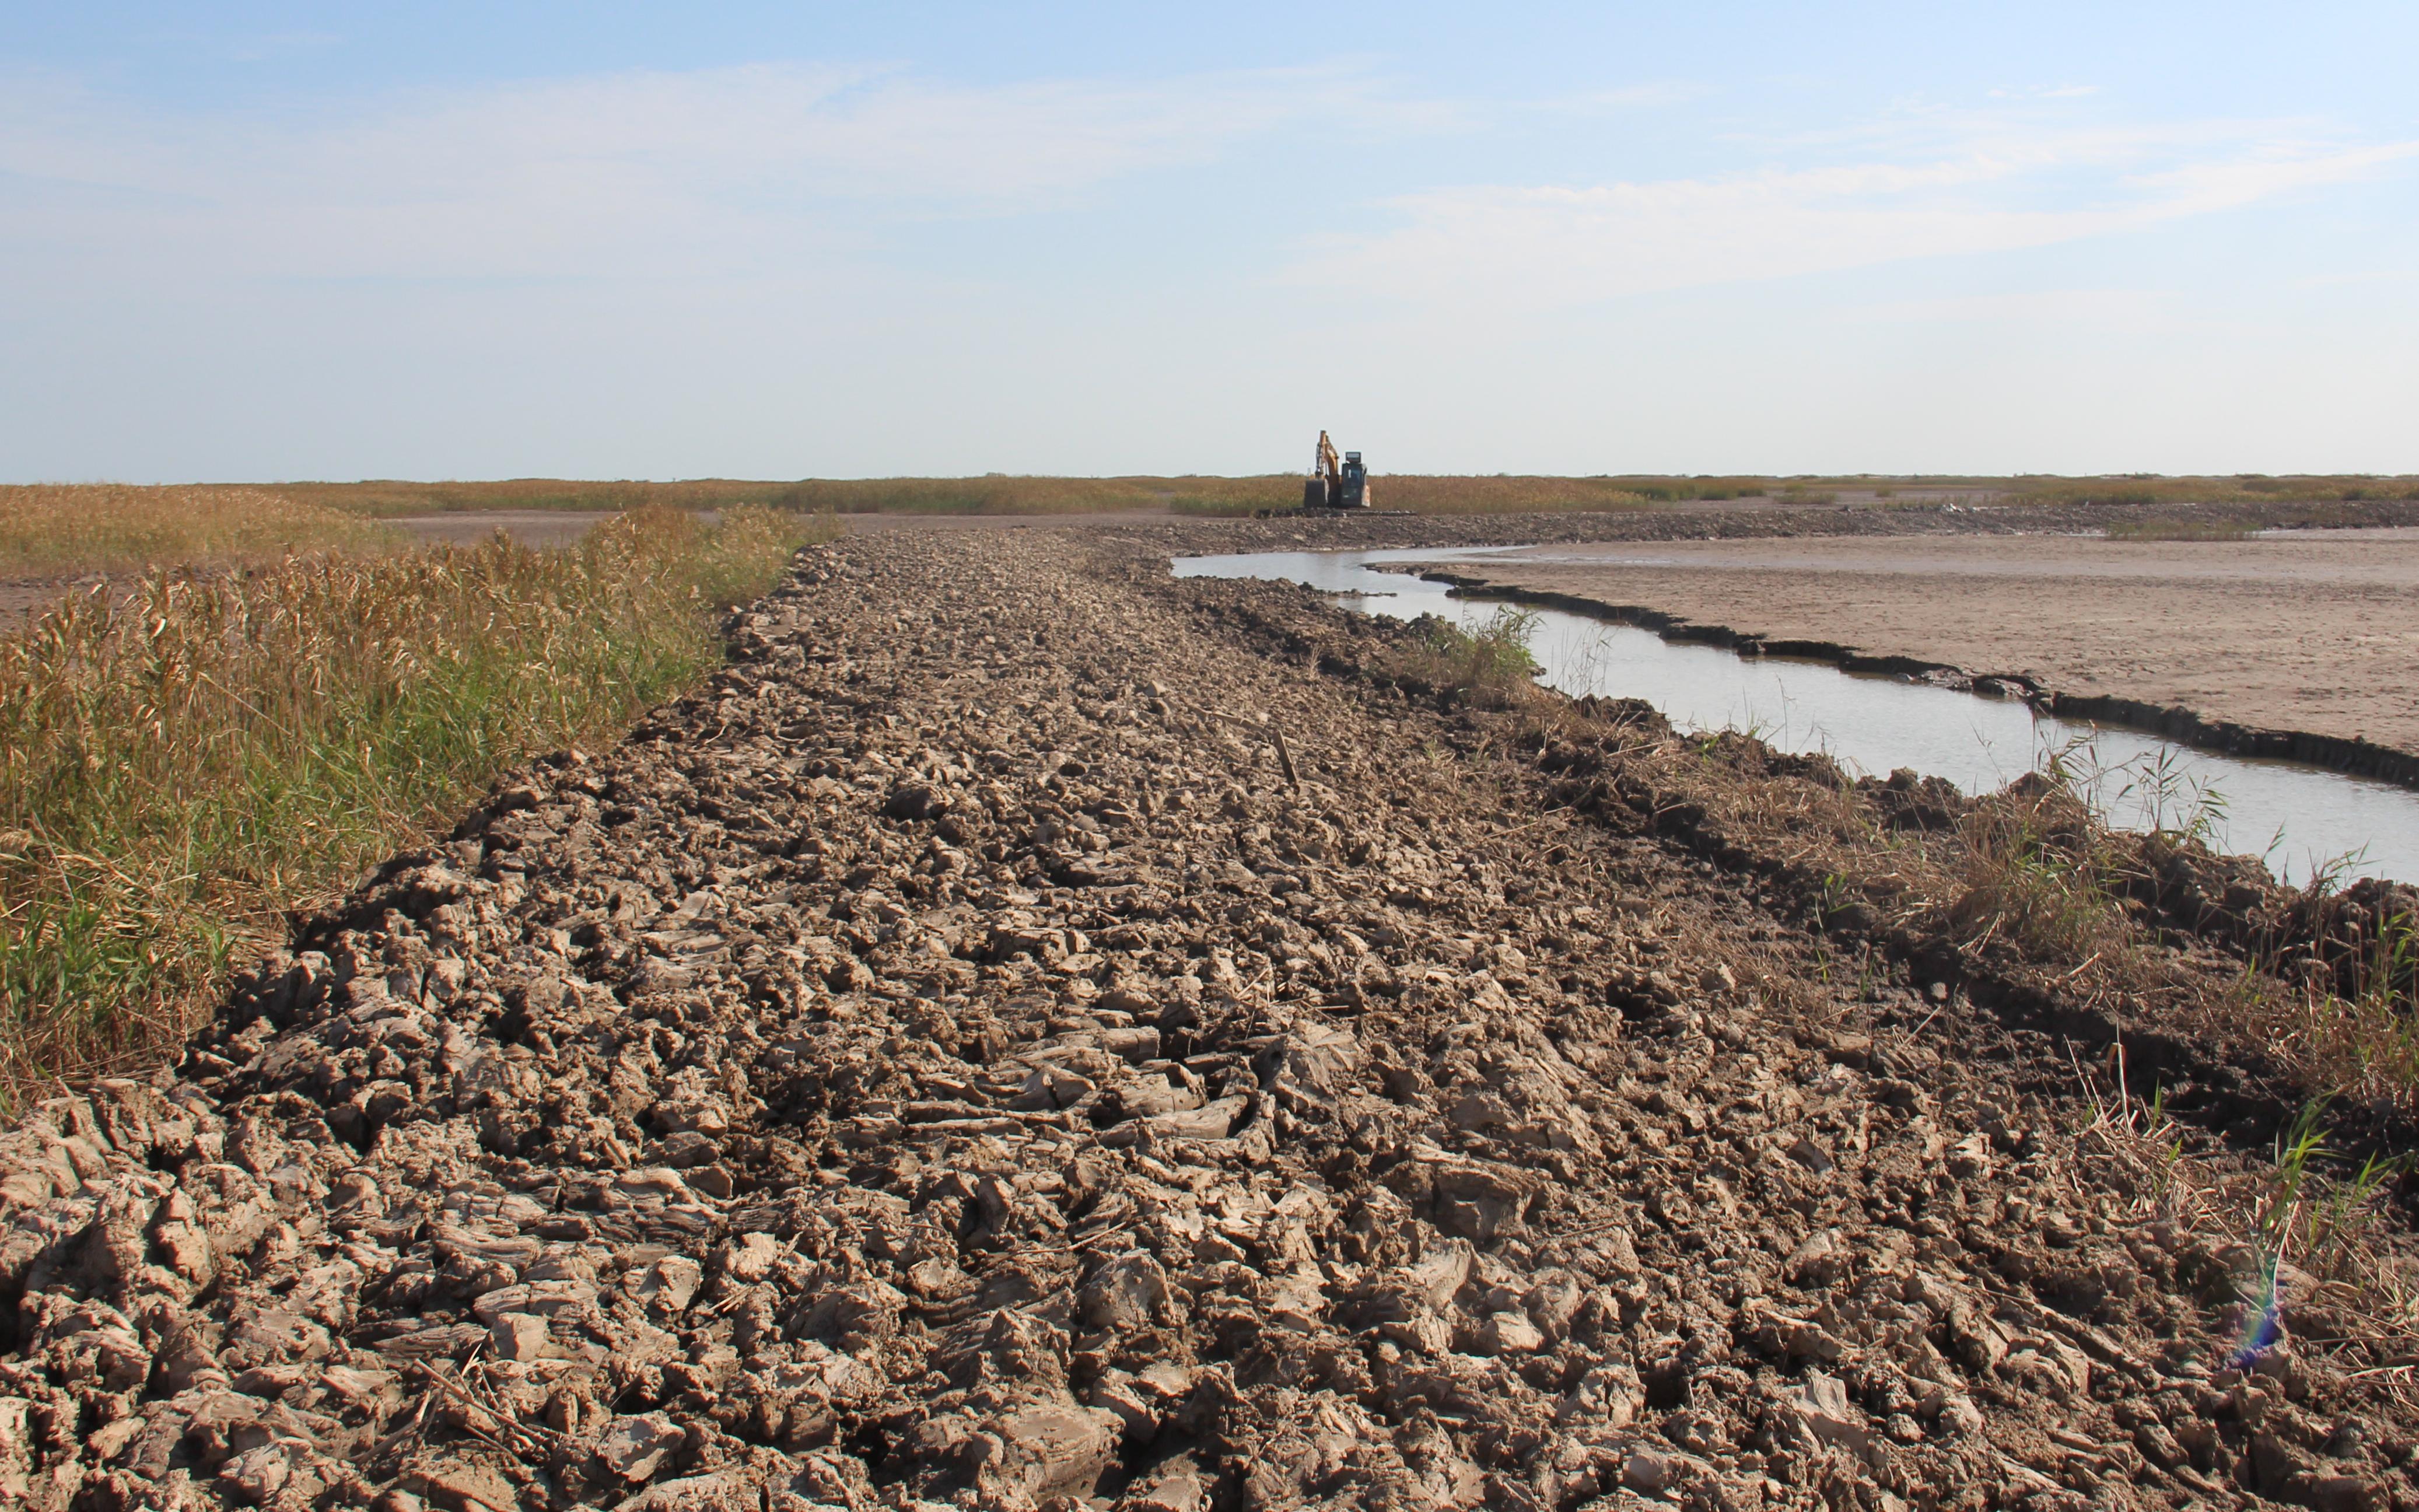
<point>1502,495</point>
<point>185,760</point>
<point>51,530</point>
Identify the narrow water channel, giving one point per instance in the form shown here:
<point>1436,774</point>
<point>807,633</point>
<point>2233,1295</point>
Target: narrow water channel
<point>2299,819</point>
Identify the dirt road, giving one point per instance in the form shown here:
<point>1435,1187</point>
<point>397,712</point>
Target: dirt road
<point>2314,631</point>
<point>963,1059</point>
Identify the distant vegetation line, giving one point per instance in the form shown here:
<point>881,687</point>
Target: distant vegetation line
<point>991,494</point>
<point>1005,494</point>
<point>106,528</point>
<point>47,531</point>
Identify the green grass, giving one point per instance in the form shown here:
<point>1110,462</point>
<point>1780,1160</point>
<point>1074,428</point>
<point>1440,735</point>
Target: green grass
<point>2032,871</point>
<point>185,759</point>
<point>1489,665</point>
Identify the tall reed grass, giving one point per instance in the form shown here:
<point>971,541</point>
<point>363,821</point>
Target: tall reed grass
<point>52,529</point>
<point>184,759</point>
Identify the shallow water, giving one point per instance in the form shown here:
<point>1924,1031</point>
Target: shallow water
<point>2299,818</point>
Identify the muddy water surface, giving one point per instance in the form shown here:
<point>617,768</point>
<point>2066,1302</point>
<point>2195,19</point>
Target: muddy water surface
<point>2299,818</point>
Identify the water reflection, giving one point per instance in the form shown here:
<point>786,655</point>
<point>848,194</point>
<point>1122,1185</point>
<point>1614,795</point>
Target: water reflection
<point>2298,818</point>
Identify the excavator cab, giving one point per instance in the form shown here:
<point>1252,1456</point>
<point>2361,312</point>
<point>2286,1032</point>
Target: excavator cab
<point>1335,483</point>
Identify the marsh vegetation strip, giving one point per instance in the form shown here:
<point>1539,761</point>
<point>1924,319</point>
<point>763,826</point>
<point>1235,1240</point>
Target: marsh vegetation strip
<point>186,757</point>
<point>56,541</point>
<point>49,531</point>
<point>2300,820</point>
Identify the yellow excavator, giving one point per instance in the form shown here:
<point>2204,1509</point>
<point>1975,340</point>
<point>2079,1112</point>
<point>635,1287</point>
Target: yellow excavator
<point>1335,483</point>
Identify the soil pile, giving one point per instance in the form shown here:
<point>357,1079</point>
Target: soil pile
<point>967,1058</point>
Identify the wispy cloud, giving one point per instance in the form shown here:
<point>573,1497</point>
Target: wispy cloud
<point>1993,187</point>
<point>1655,95</point>
<point>2099,307</point>
<point>586,174</point>
<point>2356,280</point>
<point>270,45</point>
<point>2064,91</point>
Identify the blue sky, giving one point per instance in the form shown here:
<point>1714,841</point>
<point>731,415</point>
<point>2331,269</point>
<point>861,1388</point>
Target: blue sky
<point>296,241</point>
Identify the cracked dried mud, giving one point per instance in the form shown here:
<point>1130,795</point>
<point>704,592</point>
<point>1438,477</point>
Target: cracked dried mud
<point>961,1058</point>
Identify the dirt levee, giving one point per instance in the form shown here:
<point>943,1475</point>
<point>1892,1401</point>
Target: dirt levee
<point>2314,631</point>
<point>961,1058</point>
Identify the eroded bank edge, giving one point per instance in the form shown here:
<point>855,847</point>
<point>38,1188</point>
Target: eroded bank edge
<point>2351,756</point>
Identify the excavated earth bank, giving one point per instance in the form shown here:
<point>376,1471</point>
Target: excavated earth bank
<point>961,1059</point>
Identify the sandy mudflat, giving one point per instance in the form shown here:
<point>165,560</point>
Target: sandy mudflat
<point>2316,631</point>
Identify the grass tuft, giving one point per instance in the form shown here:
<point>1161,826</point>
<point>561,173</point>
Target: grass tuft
<point>1489,666</point>
<point>2032,870</point>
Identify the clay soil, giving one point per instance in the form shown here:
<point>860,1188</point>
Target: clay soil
<point>964,1057</point>
<point>2314,631</point>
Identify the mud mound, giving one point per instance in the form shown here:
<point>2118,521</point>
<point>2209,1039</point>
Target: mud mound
<point>965,1058</point>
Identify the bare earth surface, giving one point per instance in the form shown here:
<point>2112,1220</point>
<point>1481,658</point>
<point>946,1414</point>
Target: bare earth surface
<point>960,1060</point>
<point>539,528</point>
<point>21,598</point>
<point>2313,631</point>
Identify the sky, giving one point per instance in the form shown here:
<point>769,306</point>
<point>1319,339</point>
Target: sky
<point>256,241</point>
